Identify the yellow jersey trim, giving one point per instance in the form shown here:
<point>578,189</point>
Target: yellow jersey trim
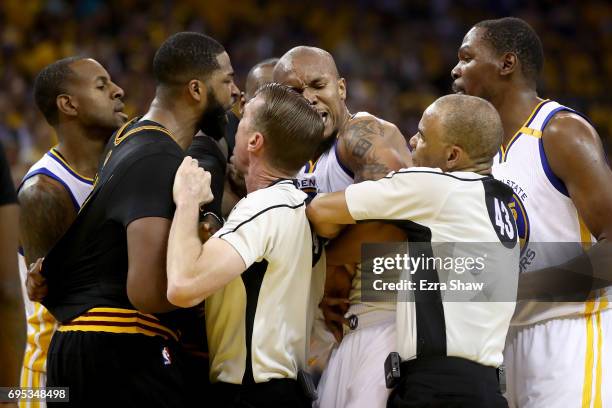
<point>504,152</point>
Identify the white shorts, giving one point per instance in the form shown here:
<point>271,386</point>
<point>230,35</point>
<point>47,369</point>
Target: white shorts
<point>355,374</point>
<point>565,362</point>
<point>32,379</point>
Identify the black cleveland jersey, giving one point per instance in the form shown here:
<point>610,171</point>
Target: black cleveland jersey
<point>88,267</point>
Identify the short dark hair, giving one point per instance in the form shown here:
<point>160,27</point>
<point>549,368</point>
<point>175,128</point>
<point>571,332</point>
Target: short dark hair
<point>291,126</point>
<point>185,56</point>
<point>511,34</point>
<point>51,82</point>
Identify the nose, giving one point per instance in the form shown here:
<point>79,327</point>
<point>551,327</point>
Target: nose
<point>456,72</point>
<point>118,92</point>
<point>235,91</point>
<point>310,95</point>
<point>413,142</point>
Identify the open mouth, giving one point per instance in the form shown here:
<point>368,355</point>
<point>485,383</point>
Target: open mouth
<point>325,116</point>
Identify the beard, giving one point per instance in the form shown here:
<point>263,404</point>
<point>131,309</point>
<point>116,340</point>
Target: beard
<point>214,119</point>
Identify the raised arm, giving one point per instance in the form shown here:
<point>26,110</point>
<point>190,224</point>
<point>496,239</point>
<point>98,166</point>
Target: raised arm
<point>196,271</point>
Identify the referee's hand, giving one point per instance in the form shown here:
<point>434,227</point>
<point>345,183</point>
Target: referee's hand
<point>191,184</point>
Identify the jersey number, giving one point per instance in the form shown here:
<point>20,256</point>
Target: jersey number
<point>502,220</point>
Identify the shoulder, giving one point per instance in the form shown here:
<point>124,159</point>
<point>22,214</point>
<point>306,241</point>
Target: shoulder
<point>569,127</point>
<point>569,141</point>
<point>43,192</point>
<point>366,124</point>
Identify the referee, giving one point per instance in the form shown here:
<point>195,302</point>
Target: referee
<point>255,273</point>
<point>449,350</point>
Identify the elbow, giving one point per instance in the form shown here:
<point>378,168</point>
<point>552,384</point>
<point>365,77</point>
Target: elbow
<point>182,295</point>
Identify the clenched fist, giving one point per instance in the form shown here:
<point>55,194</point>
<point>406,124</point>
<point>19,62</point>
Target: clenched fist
<point>191,184</point>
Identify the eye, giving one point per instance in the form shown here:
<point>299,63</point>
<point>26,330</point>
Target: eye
<point>101,87</point>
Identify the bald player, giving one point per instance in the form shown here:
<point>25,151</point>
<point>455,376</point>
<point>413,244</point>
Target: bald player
<point>357,147</point>
<point>449,349</point>
<point>259,75</point>
<point>558,354</point>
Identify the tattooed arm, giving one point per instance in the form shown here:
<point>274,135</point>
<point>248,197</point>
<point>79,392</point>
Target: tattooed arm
<point>46,213</point>
<point>372,148</point>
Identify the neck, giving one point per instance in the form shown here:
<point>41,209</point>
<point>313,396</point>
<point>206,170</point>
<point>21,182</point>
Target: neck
<point>82,148</point>
<point>261,175</point>
<point>514,106</point>
<point>178,119</point>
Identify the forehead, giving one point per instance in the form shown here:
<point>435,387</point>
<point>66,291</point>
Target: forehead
<point>88,70</point>
<point>251,108</point>
<point>225,65</point>
<point>474,40</point>
<point>305,67</point>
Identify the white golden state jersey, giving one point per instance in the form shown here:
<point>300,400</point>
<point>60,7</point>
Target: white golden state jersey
<point>41,323</point>
<point>547,220</point>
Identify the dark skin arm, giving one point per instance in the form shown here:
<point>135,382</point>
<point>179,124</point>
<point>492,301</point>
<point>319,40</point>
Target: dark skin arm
<point>576,156</point>
<point>46,214</point>
<point>147,240</point>
<point>13,333</point>
<point>371,148</point>
<point>342,254</point>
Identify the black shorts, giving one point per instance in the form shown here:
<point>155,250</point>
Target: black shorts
<point>116,370</point>
<point>448,382</point>
<point>277,393</point>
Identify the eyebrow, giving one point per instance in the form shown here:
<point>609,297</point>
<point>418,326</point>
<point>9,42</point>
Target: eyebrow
<point>420,132</point>
<point>102,78</point>
<point>464,48</point>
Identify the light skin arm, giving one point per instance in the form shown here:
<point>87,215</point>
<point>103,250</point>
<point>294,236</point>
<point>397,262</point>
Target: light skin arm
<point>575,154</point>
<point>196,271</point>
<point>13,333</point>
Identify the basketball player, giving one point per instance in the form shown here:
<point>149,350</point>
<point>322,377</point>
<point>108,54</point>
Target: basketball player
<point>13,333</point>
<point>357,147</point>
<point>109,268</point>
<point>261,74</point>
<point>557,354</point>
<point>83,105</point>
<point>256,271</point>
<point>449,349</point>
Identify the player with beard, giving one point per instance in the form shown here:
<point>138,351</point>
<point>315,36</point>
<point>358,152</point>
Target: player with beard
<point>83,105</point>
<point>357,147</point>
<point>106,276</point>
<point>557,354</point>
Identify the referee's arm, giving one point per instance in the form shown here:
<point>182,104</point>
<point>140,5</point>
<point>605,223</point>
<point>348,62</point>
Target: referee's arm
<point>328,213</point>
<point>196,271</point>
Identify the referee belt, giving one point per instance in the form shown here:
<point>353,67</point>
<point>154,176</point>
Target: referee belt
<point>116,320</point>
<point>450,366</point>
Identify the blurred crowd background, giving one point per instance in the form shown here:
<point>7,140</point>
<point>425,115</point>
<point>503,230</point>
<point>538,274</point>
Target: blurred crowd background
<point>396,55</point>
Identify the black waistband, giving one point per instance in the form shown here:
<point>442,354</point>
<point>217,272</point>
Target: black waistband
<point>452,366</point>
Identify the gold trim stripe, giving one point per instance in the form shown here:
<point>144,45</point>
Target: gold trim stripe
<point>504,152</point>
<point>116,320</point>
<point>587,387</point>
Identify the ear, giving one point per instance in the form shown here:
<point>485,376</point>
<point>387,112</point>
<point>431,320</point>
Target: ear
<point>454,157</point>
<point>197,90</point>
<point>255,143</point>
<point>67,105</point>
<point>509,63</point>
<point>342,88</point>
